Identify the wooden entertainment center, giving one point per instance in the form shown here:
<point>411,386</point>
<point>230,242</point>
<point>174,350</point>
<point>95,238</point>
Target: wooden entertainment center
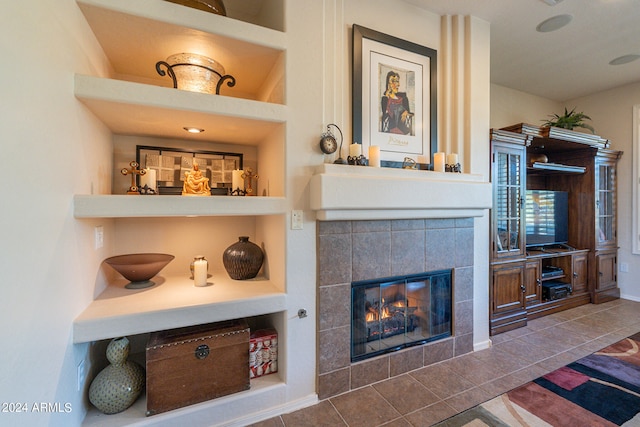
<point>529,281</point>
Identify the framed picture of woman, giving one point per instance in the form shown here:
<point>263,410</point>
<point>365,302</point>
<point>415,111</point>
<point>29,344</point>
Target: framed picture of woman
<point>394,97</point>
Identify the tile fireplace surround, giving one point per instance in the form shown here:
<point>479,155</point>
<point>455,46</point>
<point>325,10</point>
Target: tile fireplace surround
<point>381,222</point>
<point>361,250</point>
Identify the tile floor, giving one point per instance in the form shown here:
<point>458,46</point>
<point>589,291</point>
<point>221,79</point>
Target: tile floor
<point>433,393</point>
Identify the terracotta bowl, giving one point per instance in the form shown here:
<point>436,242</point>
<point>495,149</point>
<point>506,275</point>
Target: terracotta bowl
<point>139,268</point>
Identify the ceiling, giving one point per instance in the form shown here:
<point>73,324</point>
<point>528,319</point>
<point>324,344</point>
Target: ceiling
<point>562,65</point>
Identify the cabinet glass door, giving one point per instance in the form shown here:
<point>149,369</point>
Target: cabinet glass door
<point>605,204</point>
<point>508,188</point>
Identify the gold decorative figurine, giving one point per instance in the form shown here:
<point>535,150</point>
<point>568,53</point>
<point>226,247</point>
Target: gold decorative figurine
<point>194,183</point>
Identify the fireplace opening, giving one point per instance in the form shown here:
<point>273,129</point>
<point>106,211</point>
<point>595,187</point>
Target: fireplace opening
<point>393,313</point>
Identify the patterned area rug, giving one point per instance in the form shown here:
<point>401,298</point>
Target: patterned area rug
<point>602,389</point>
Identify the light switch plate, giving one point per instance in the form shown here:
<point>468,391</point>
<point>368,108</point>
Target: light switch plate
<point>296,220</point>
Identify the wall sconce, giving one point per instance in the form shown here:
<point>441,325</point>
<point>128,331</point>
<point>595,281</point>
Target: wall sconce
<point>196,73</point>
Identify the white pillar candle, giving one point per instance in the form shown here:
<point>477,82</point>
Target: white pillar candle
<point>452,159</point>
<point>237,181</point>
<point>438,162</point>
<point>374,156</point>
<point>200,272</point>
<point>148,179</point>
<point>355,150</point>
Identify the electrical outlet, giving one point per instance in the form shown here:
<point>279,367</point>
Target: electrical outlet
<point>81,375</point>
<point>98,237</point>
<point>296,220</point>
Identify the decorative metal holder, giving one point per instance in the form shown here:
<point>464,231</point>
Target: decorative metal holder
<point>453,168</point>
<point>409,163</point>
<point>238,192</point>
<point>358,161</point>
<point>231,80</point>
<point>146,190</point>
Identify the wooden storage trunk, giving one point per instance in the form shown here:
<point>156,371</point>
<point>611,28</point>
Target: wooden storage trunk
<point>195,364</point>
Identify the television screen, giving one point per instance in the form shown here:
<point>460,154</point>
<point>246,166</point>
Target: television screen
<point>547,217</point>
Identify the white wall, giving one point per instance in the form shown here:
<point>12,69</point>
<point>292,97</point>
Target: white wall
<point>52,148</point>
<point>509,107</point>
<point>611,114</point>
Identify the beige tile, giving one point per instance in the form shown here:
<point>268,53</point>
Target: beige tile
<point>526,350</point>
<point>364,407</point>
<point>404,361</point>
<point>271,422</point>
<point>321,415</point>
<point>441,380</point>
<point>406,394</point>
<point>431,415</point>
<point>369,372</point>
<point>398,422</point>
<point>468,399</point>
<point>334,383</point>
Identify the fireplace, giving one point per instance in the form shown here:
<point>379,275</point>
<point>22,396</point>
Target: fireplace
<point>398,312</point>
<point>360,251</point>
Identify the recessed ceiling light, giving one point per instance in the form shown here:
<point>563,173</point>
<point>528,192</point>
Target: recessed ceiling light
<point>193,130</point>
<point>554,23</point>
<point>625,59</point>
<point>552,2</point>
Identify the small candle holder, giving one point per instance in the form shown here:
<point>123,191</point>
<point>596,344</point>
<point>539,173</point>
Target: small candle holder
<point>453,168</point>
<point>146,190</point>
<point>238,192</point>
<point>358,160</point>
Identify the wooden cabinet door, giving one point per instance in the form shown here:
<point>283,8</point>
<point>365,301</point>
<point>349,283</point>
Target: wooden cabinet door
<point>606,277</point>
<point>533,283</point>
<point>507,288</point>
<point>580,279</point>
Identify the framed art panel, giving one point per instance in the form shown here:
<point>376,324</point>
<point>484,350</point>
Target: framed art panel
<point>394,97</point>
<point>170,164</point>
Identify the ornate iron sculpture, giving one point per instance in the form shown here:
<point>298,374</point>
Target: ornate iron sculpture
<point>231,81</point>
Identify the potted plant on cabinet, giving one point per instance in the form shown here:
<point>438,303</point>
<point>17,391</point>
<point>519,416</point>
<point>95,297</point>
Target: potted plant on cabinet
<point>569,120</point>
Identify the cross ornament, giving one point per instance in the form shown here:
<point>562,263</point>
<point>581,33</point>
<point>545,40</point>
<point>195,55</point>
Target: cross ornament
<point>248,176</point>
<point>133,190</point>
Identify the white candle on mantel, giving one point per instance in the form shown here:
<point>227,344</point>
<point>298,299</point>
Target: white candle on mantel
<point>200,272</point>
<point>148,179</point>
<point>374,156</point>
<point>438,162</point>
<point>237,181</point>
<point>355,150</point>
<point>452,159</point>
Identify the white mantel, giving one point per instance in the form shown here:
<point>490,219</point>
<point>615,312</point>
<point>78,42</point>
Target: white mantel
<point>344,192</point>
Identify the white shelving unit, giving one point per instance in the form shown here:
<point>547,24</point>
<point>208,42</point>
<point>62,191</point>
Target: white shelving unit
<point>173,303</point>
<point>123,206</point>
<point>134,101</point>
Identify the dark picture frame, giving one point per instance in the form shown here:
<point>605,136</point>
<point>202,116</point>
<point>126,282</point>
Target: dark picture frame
<point>171,163</point>
<point>403,124</point>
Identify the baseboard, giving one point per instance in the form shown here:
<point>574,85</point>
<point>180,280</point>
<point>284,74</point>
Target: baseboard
<point>309,400</point>
<point>630,297</point>
<point>483,345</point>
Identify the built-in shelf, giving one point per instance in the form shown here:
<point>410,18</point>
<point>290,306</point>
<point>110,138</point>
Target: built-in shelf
<point>341,192</point>
<point>130,108</point>
<point>125,206</point>
<point>135,35</point>
<point>174,302</point>
<point>269,388</point>
<point>554,168</point>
